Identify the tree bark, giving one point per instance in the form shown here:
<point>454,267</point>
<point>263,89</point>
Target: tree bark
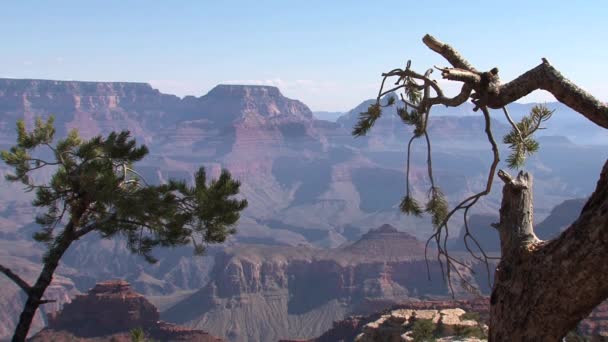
<point>490,92</point>
<point>35,293</point>
<point>543,289</point>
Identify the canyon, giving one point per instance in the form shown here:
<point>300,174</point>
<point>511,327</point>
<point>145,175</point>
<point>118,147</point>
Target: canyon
<point>110,311</point>
<point>263,293</point>
<point>317,197</point>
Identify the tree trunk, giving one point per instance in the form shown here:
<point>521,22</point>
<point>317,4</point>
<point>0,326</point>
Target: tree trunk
<point>34,295</point>
<point>543,289</point>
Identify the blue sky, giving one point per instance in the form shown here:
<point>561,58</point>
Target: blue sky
<point>328,54</point>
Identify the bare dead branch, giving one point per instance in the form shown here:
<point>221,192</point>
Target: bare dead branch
<point>407,167</point>
<point>462,97</point>
<point>442,232</point>
<point>447,52</point>
<point>505,177</point>
<point>461,75</point>
<point>542,77</point>
<point>16,279</point>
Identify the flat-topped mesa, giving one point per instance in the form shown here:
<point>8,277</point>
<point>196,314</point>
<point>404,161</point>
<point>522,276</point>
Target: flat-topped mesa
<point>227,102</point>
<point>109,307</point>
<point>91,107</point>
<point>10,86</point>
<point>112,308</point>
<point>113,288</point>
<point>241,90</point>
<point>64,98</point>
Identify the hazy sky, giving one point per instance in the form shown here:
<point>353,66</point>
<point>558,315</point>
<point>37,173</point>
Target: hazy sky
<point>328,54</point>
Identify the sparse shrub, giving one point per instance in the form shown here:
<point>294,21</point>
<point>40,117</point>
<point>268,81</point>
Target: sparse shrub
<point>471,316</point>
<point>575,336</point>
<point>423,330</point>
<point>138,335</point>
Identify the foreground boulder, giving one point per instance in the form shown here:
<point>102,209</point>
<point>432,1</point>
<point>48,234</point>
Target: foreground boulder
<point>110,311</point>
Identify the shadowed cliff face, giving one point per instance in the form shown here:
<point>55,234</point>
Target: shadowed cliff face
<point>305,289</point>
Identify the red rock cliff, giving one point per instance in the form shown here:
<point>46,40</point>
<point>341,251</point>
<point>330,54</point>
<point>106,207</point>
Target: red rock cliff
<point>266,293</point>
<point>113,309</point>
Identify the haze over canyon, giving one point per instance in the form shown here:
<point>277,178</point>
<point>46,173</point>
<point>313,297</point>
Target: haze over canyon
<point>322,237</point>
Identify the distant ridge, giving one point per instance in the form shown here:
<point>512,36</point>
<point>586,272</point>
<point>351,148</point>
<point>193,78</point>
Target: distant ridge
<point>242,89</point>
<point>14,86</point>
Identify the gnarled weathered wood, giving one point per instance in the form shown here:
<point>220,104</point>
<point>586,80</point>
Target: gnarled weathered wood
<point>516,214</point>
<point>543,289</point>
<point>496,95</point>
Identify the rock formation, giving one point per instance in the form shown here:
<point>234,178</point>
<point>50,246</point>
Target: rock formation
<point>398,325</point>
<point>308,182</point>
<point>266,293</point>
<point>91,107</point>
<point>111,310</point>
<point>383,322</point>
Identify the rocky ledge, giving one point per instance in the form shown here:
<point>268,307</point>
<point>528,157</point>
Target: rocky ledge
<point>407,325</point>
<point>109,311</point>
<point>396,320</point>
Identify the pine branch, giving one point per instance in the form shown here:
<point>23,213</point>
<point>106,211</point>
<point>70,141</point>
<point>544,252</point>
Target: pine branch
<point>16,279</point>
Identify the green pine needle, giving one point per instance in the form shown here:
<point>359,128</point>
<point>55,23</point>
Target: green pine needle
<point>410,206</point>
<point>437,206</point>
<point>367,120</point>
<point>521,143</point>
<point>94,184</point>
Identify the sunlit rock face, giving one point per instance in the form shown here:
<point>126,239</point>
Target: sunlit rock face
<point>91,107</point>
<point>266,293</point>
<point>365,326</point>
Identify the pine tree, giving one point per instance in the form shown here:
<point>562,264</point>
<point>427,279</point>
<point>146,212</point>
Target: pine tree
<point>95,188</point>
<point>542,289</point>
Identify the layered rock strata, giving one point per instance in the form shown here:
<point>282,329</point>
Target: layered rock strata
<point>264,293</point>
<point>111,310</point>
